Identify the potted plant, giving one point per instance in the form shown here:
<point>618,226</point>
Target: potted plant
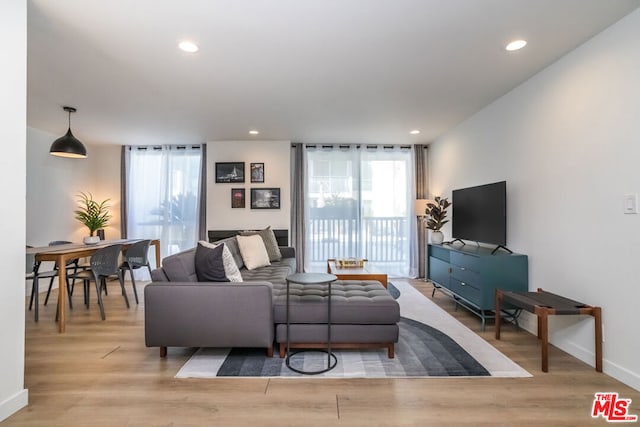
<point>437,212</point>
<point>94,215</point>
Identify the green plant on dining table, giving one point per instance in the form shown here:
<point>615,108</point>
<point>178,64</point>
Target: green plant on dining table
<point>94,215</point>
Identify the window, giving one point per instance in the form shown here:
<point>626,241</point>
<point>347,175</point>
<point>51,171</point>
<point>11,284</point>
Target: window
<point>162,195</point>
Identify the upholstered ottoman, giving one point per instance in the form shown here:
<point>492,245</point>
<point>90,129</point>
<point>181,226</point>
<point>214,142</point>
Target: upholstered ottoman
<point>363,314</point>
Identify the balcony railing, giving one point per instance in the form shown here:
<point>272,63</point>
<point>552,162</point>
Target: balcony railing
<point>383,240</point>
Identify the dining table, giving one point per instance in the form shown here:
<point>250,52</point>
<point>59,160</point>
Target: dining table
<point>63,253</point>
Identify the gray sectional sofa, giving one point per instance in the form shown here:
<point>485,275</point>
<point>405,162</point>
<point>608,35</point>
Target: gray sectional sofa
<point>182,312</point>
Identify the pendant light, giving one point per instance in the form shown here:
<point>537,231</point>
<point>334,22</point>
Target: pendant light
<point>68,145</point>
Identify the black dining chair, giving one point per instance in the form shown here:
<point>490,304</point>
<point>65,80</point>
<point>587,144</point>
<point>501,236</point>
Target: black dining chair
<point>72,267</point>
<point>103,264</point>
<point>135,257</point>
<point>33,273</point>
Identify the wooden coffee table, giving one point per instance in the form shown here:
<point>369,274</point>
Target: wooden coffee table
<point>368,272</point>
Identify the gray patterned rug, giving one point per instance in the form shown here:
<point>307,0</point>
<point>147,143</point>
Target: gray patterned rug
<point>431,344</point>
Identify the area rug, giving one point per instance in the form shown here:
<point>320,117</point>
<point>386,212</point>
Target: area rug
<point>431,344</point>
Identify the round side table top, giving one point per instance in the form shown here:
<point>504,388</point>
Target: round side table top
<point>311,278</point>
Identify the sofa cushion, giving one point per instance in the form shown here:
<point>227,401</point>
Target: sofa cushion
<point>270,242</point>
<point>275,274</point>
<point>181,267</point>
<point>363,302</point>
<point>254,254</point>
<point>230,267</point>
<point>209,264</point>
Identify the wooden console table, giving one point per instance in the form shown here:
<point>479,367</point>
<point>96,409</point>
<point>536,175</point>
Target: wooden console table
<point>543,304</point>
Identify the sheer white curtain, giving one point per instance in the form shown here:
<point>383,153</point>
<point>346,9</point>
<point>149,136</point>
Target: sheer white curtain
<point>162,195</point>
<point>359,203</point>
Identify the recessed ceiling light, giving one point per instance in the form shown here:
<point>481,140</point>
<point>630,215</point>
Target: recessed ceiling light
<point>516,45</point>
<point>254,132</point>
<point>414,132</point>
<point>188,46</point>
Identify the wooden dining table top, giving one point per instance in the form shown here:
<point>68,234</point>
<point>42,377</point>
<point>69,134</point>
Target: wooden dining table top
<point>62,253</point>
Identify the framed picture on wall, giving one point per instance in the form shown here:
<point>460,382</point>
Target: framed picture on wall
<point>237,198</point>
<point>229,172</point>
<point>265,198</point>
<point>257,172</point>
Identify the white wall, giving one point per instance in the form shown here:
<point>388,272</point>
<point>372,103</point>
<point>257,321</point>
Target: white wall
<point>13,107</point>
<point>276,158</point>
<point>53,184</point>
<point>568,144</point>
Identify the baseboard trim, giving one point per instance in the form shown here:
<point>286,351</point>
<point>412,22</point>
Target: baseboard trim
<point>13,404</point>
<point>529,323</point>
<point>612,369</point>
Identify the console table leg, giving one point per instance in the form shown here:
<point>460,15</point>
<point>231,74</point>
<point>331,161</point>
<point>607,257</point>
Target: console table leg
<point>498,312</point>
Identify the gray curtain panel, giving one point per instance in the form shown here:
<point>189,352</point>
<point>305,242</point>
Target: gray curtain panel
<point>422,192</point>
<point>422,177</point>
<point>297,203</point>
<point>123,191</point>
<point>202,200</point>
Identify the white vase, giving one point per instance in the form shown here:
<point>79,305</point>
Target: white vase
<point>437,237</point>
<point>91,240</point>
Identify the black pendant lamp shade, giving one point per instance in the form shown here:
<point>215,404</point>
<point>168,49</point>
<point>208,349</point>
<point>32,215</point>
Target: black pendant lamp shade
<point>68,145</point>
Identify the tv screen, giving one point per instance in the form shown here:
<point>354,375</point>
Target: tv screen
<point>480,213</point>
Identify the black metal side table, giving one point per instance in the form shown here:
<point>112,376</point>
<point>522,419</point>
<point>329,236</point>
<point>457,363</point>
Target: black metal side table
<point>312,279</point>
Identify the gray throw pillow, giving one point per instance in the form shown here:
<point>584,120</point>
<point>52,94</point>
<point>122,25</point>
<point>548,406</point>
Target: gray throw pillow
<point>232,244</point>
<point>209,264</point>
<point>270,242</point>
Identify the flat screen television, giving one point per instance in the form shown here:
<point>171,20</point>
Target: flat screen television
<point>480,213</point>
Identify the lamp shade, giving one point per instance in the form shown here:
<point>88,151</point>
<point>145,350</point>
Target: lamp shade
<point>68,145</point>
<point>420,207</point>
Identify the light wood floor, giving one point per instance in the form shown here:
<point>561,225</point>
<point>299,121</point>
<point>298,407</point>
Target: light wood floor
<point>101,374</point>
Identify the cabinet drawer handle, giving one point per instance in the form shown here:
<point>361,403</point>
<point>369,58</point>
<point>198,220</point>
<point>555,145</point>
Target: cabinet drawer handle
<point>463,284</point>
<point>462,268</point>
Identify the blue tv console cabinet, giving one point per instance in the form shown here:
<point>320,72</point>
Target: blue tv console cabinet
<point>471,274</point>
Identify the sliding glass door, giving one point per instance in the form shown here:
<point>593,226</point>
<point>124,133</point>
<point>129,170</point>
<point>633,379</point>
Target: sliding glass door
<point>359,204</point>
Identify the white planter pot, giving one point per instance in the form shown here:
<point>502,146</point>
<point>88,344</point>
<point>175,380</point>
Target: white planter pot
<point>91,240</point>
<point>437,237</point>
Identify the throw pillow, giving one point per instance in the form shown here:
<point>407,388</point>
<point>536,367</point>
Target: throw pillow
<point>254,254</point>
<point>230,267</point>
<point>209,265</point>
<point>270,242</point>
<point>232,244</point>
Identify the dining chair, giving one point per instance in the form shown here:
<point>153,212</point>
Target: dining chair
<point>137,256</point>
<point>72,264</point>
<point>33,273</point>
<point>103,264</point>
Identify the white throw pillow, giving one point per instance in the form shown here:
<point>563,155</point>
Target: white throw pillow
<point>254,253</point>
<point>230,267</point>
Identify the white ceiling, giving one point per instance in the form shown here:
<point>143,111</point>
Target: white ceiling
<point>304,70</point>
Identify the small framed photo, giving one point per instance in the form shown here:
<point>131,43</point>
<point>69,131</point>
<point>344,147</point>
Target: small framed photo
<point>265,198</point>
<point>237,198</point>
<point>257,172</point>
<point>229,172</point>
